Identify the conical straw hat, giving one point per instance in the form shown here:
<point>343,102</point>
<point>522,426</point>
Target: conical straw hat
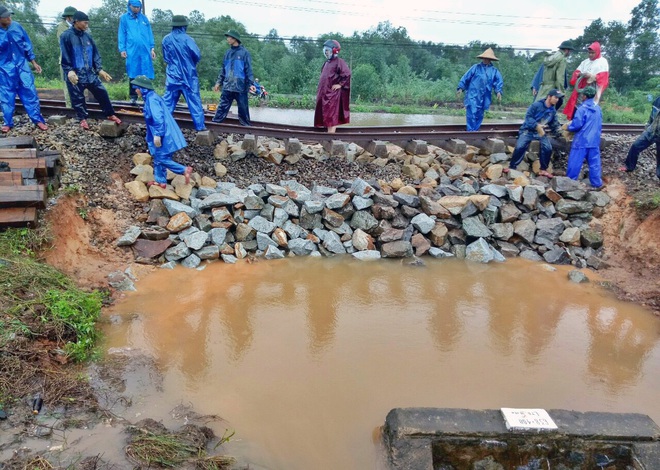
<point>488,54</point>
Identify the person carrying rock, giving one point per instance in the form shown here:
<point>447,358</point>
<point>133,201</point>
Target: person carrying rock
<point>554,71</point>
<point>478,83</point>
<point>164,137</point>
<point>16,78</point>
<point>181,54</point>
<point>81,64</point>
<point>64,25</point>
<point>539,114</point>
<point>333,94</point>
<point>235,78</point>
<point>587,124</point>
<point>135,41</point>
<point>650,136</point>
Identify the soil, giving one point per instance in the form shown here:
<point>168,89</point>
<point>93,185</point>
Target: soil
<point>86,223</point>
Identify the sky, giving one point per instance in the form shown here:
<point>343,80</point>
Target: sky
<point>522,24</point>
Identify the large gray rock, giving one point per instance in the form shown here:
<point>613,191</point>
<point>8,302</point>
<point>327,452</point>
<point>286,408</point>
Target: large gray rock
<point>333,244</point>
<point>481,252</point>
<point>550,229</point>
<point>174,207</point>
<point>260,224</point>
<point>362,188</point>
<point>272,252</point>
<point>526,229</point>
<point>591,238</point>
<point>557,256</point>
<point>423,223</point>
<point>337,201</point>
<point>406,199</point>
<point>218,236</point>
<point>217,200</point>
<point>494,190</point>
<point>363,220</point>
<point>562,184</point>
<point>196,240</point>
<point>502,231</point>
<point>568,206</point>
<point>191,261</point>
<point>177,252</point>
<point>366,255</point>
<point>439,253</point>
<point>475,228</point>
<point>509,213</point>
<point>301,247</point>
<point>130,236</point>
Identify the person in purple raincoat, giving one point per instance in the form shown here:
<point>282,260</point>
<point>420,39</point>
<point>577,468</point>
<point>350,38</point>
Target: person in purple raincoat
<point>334,91</point>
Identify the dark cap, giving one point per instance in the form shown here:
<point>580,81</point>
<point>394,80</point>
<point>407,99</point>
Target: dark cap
<point>179,20</point>
<point>567,45</point>
<point>555,92</point>
<point>69,11</point>
<point>80,16</point>
<point>589,92</point>
<point>143,81</point>
<point>5,12</point>
<point>234,34</point>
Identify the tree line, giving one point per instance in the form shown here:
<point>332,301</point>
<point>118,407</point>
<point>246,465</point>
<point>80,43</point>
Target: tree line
<point>388,65</point>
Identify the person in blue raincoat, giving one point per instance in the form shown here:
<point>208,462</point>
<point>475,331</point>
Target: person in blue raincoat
<point>15,75</point>
<point>479,83</point>
<point>164,137</point>
<point>587,124</point>
<point>136,44</point>
<point>182,55</point>
<point>236,80</point>
<point>82,67</point>
<point>539,115</point>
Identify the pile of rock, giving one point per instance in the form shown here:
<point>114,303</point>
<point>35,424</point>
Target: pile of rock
<point>460,206</point>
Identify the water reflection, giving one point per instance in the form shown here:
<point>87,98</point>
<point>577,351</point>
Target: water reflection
<point>305,357</point>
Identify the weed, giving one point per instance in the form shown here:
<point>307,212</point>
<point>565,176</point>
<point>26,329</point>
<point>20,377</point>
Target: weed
<point>82,212</point>
<point>22,242</point>
<point>72,190</point>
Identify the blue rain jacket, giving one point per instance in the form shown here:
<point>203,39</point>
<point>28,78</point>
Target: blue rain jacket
<point>181,55</point>
<point>587,124</point>
<point>160,122</point>
<point>236,72</point>
<point>538,79</point>
<point>16,53</point>
<point>79,53</point>
<point>136,39</point>
<point>478,83</point>
<point>538,113</point>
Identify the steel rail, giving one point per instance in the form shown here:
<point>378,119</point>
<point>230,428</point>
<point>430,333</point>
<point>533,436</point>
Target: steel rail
<point>399,135</point>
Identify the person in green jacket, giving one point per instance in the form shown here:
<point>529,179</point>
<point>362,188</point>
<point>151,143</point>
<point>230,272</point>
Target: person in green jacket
<point>64,25</point>
<point>554,71</point>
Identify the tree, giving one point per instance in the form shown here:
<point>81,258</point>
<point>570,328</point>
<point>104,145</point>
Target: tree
<point>643,31</point>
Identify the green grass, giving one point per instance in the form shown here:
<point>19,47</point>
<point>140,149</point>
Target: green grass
<point>37,300</point>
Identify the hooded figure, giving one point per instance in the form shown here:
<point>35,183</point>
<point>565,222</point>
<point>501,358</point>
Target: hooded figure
<point>587,125</point>
<point>164,137</point>
<point>136,43</point>
<point>594,71</point>
<point>479,82</point>
<point>333,95</point>
<point>554,71</point>
<point>15,75</point>
<point>182,55</point>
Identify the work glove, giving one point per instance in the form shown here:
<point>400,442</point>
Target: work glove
<point>539,130</point>
<point>73,77</point>
<point>105,76</point>
<point>157,141</point>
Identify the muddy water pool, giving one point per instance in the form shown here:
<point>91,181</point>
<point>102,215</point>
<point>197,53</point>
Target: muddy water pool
<point>303,358</point>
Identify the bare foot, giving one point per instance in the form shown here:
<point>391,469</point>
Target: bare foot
<point>187,174</point>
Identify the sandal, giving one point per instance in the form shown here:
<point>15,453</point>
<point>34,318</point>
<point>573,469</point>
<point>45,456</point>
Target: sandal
<point>187,174</point>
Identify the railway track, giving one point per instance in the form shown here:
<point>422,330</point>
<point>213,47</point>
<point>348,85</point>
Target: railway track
<point>400,135</point>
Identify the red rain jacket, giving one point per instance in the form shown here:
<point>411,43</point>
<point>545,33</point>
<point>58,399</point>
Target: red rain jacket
<point>597,67</point>
<point>332,106</point>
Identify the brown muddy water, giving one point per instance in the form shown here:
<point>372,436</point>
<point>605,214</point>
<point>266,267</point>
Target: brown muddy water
<point>303,358</point>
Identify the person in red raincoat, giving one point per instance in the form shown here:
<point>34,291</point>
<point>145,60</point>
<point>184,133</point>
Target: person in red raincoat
<point>594,71</point>
<point>334,92</point>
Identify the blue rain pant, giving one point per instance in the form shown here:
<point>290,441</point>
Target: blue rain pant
<point>226,100</point>
<point>162,163</point>
<point>522,144</point>
<point>27,92</point>
<point>194,100</point>
<point>643,142</point>
<point>99,92</point>
<point>576,159</point>
<point>474,116</point>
